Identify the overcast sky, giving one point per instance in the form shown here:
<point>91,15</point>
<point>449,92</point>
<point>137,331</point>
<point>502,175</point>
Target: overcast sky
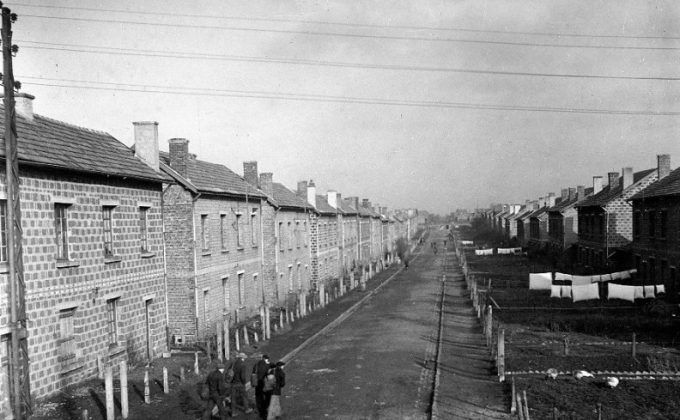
<point>390,108</point>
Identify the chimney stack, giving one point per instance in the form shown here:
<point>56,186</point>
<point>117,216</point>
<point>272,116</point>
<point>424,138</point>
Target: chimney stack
<point>250,173</point>
<point>23,105</point>
<point>551,200</point>
<point>354,202</point>
<point>302,190</point>
<point>267,183</point>
<point>179,155</point>
<point>366,203</point>
<point>580,192</point>
<point>663,165</point>
<point>311,193</point>
<point>613,179</point>
<point>627,176</point>
<point>146,142</point>
<point>564,194</point>
<point>332,198</point>
<point>597,184</point>
<point>572,193</point>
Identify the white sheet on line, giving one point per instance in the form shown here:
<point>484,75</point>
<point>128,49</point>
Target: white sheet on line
<point>618,291</point>
<point>649,292</point>
<point>566,292</point>
<point>555,291</point>
<point>639,292</point>
<point>581,280</point>
<point>540,281</point>
<point>585,292</point>
<point>562,276</point>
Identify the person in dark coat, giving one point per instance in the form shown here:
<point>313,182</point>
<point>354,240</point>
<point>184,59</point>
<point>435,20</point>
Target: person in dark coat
<point>238,386</point>
<point>217,387</point>
<point>274,411</point>
<point>261,397</point>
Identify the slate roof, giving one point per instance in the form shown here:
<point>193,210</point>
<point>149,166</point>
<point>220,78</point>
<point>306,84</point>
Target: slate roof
<point>607,194</point>
<point>286,198</point>
<point>56,144</point>
<point>364,212</point>
<point>213,178</point>
<point>668,185</point>
<point>346,208</point>
<point>539,212</point>
<point>567,203</point>
<point>323,207</point>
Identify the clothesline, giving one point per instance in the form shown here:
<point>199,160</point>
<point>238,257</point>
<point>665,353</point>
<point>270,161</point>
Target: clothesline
<point>499,251</point>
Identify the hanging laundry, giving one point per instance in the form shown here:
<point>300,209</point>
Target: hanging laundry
<point>606,277</point>
<point>616,276</point>
<point>660,288</point>
<point>581,280</point>
<point>467,243</point>
<point>625,274</point>
<point>566,291</point>
<point>618,291</point>
<point>540,281</point>
<point>562,276</point>
<point>632,270</point>
<point>585,292</point>
<point>649,292</point>
<point>639,292</point>
<point>555,291</point>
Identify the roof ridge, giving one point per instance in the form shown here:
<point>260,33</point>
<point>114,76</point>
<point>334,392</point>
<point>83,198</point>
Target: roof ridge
<point>91,130</point>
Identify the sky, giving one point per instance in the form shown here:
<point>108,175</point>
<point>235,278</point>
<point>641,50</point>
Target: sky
<point>431,104</point>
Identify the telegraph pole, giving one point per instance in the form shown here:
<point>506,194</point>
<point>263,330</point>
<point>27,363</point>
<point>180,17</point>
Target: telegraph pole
<point>20,392</point>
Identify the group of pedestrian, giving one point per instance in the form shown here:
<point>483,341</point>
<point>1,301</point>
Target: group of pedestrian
<point>267,378</point>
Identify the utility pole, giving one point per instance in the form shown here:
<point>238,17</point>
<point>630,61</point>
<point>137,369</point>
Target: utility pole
<point>20,392</point>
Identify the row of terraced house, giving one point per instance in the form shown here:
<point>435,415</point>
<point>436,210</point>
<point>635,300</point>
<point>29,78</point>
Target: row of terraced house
<point>626,220</point>
<point>128,251</point>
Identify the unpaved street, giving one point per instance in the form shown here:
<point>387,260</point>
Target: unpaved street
<point>373,365</point>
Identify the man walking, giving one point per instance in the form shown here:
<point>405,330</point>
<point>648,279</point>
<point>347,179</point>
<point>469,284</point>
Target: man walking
<point>261,397</point>
<point>217,392</point>
<point>238,386</point>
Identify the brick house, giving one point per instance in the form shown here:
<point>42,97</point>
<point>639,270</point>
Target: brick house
<point>522,220</point>
<point>349,242</point>
<point>656,227</point>
<point>563,217</point>
<point>605,220</point>
<point>213,239</point>
<point>538,222</point>
<point>92,252</point>
<point>290,263</point>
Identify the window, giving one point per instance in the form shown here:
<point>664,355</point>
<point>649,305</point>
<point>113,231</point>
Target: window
<point>297,234</point>
<point>281,236</point>
<point>637,220</point>
<point>663,223</point>
<point>299,276</point>
<point>304,232</point>
<point>61,229</point>
<point>112,320</point>
<point>225,292</point>
<point>205,238</point>
<point>290,278</point>
<point>290,235</point>
<point>253,227</point>
<point>143,229</point>
<point>223,239</point>
<point>238,231</point>
<point>3,231</point>
<point>241,290</point>
<point>652,223</point>
<point>67,338</point>
<point>107,216</point>
<point>205,306</point>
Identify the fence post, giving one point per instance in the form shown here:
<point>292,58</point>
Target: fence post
<point>526,406</point>
<point>633,346</point>
<point>166,385</point>
<point>501,357</point>
<point>267,323</point>
<point>196,371</point>
<point>237,337</point>
<point>599,411</point>
<point>489,320</point>
<point>181,373</point>
<point>227,341</point>
<point>520,410</point>
<point>208,349</point>
<point>123,390</point>
<point>147,391</point>
<point>218,331</point>
<point>566,346</point>
<point>513,402</point>
<point>108,382</point>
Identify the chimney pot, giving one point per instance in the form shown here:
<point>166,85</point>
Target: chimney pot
<point>613,178</point>
<point>302,189</point>
<point>580,192</point>
<point>627,176</point>
<point>311,193</point>
<point>179,155</point>
<point>332,198</point>
<point>663,165</point>
<point>597,184</point>
<point>146,142</point>
<point>572,193</point>
<point>564,193</point>
<point>23,105</point>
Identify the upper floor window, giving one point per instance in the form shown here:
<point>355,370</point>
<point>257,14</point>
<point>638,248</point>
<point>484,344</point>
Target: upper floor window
<point>143,229</point>
<point>281,236</point>
<point>223,238</point>
<point>112,320</point>
<point>61,230</point>
<point>290,235</point>
<point>253,227</point>
<point>67,338</point>
<point>3,231</point>
<point>637,223</point>
<point>107,219</point>
<point>205,238</point>
<point>239,236</point>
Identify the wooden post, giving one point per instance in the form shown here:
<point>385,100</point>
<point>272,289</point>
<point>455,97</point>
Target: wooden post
<point>488,330</point>
<point>227,341</point>
<point>500,363</point>
<point>566,346</point>
<point>262,321</point>
<point>513,402</point>
<point>326,300</point>
<point>181,373</point>
<point>246,339</point>
<point>599,411</point>
<point>196,371</point>
<point>520,410</point>
<point>288,316</point>
<point>255,337</point>
<point>218,332</point>
<point>526,406</point>
<point>633,347</point>
<point>147,391</point>
<point>238,339</point>
<point>108,383</point>
<point>100,367</point>
<point>85,415</point>
<point>281,316</point>
<point>123,390</point>
<point>555,413</point>
<point>268,327</point>
<point>208,350</point>
<point>292,316</point>
<point>166,385</point>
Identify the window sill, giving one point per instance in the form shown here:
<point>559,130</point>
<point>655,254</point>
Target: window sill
<point>239,248</point>
<point>148,254</point>
<point>254,246</point>
<point>112,259</point>
<point>71,365</point>
<point>4,268</point>
<point>205,253</point>
<point>67,264</point>
<point>117,348</point>
<point>225,251</point>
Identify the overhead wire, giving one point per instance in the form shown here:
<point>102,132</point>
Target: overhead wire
<point>93,49</point>
<point>287,96</point>
<point>348,24</point>
<point>353,35</point>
